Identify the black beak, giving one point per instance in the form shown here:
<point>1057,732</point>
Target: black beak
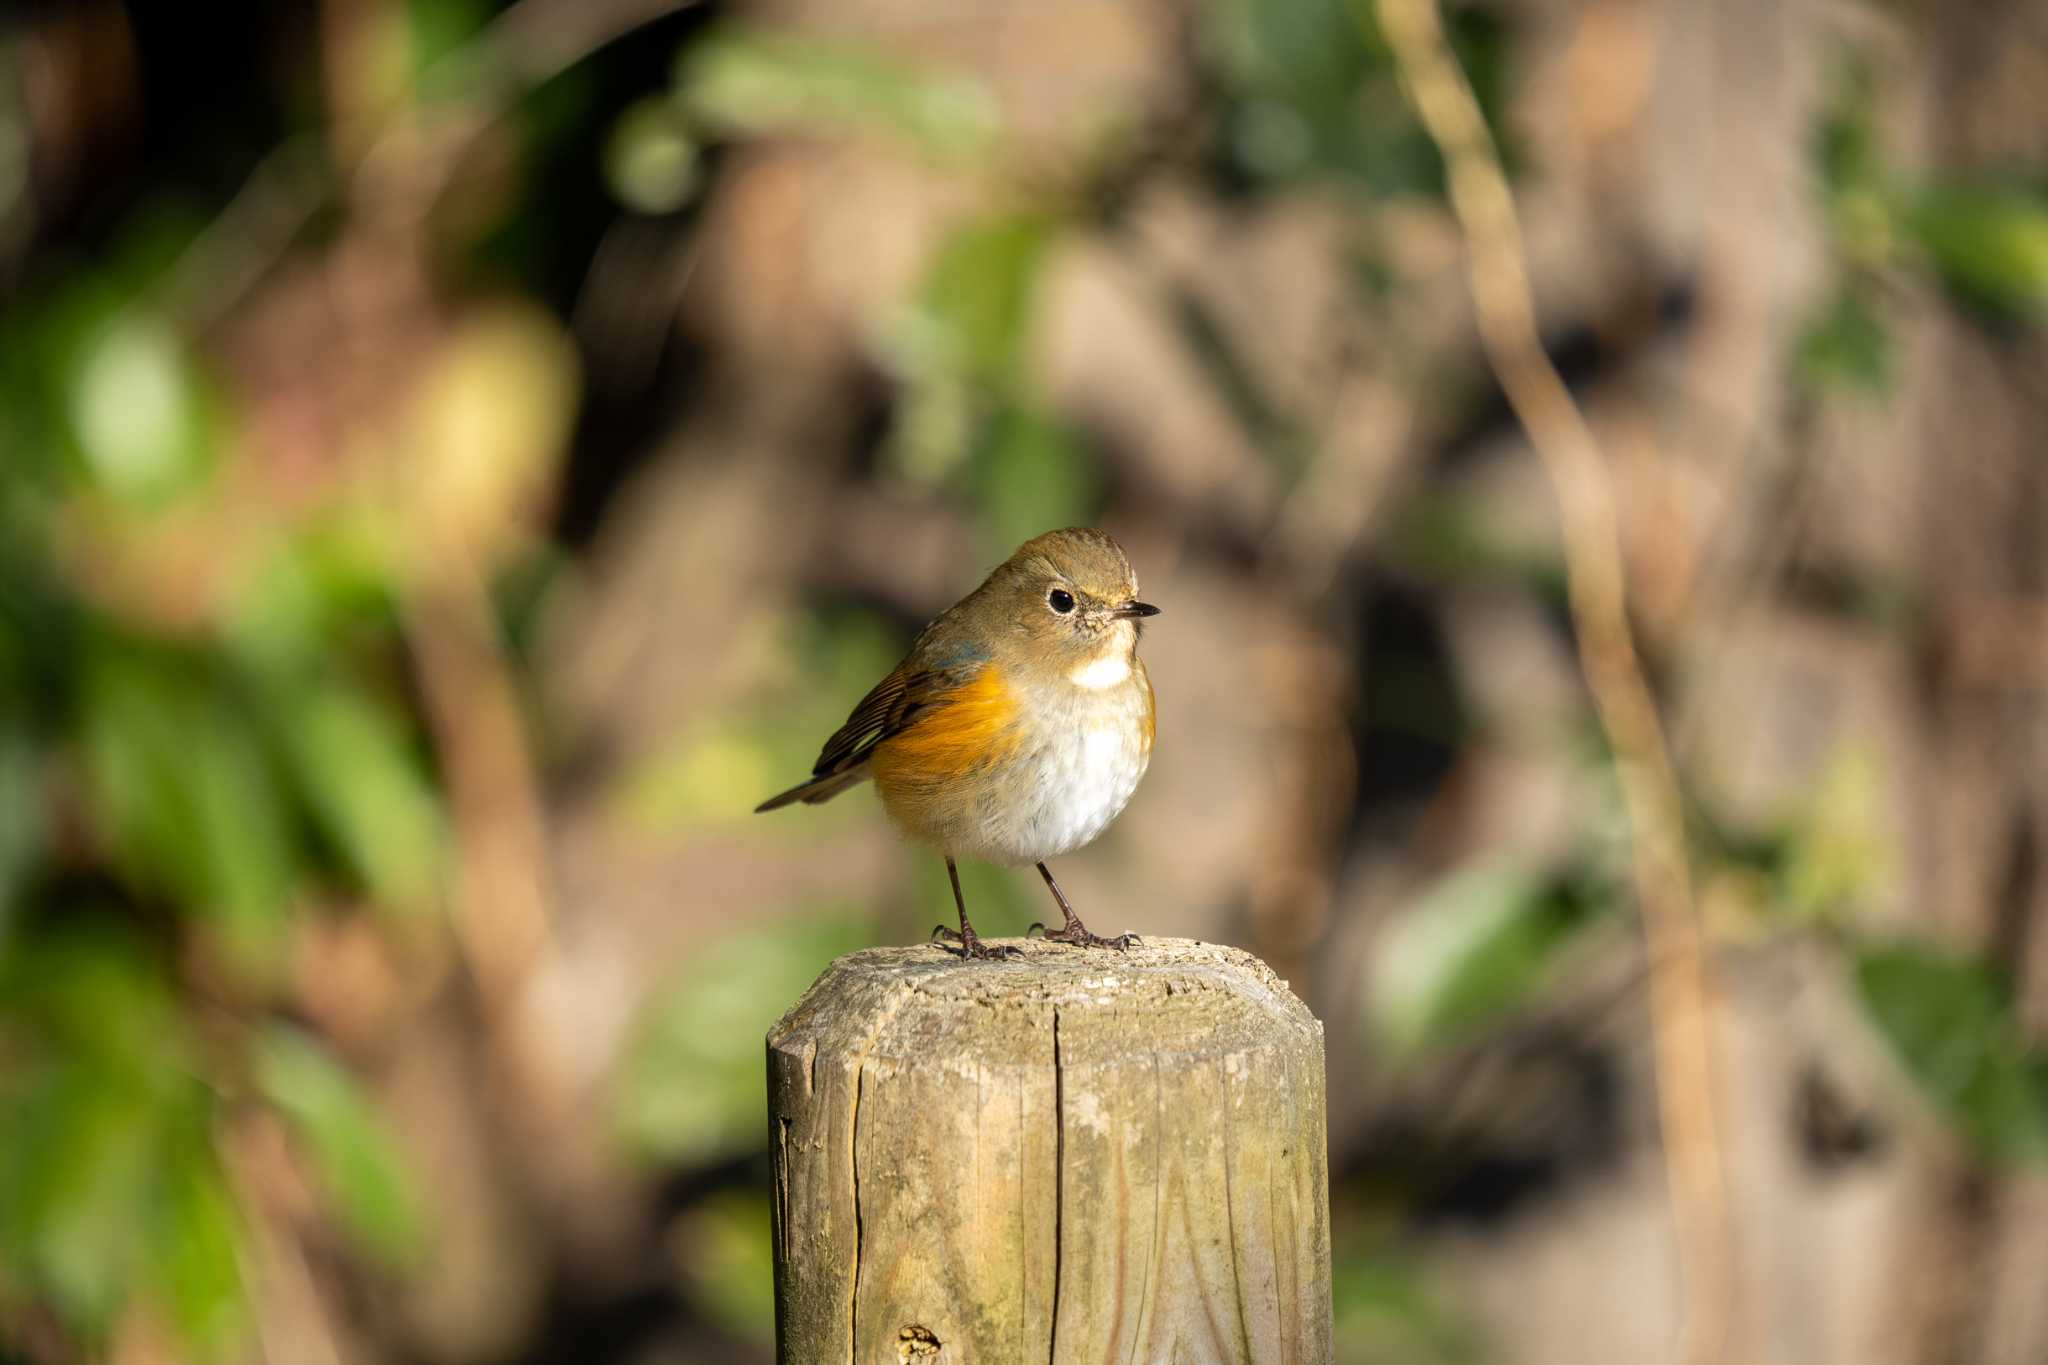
<point>1131,611</point>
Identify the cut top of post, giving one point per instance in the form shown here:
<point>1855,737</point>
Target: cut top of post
<point>1163,996</point>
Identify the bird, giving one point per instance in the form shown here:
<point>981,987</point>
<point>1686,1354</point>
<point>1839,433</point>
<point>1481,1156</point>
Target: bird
<point>1017,727</point>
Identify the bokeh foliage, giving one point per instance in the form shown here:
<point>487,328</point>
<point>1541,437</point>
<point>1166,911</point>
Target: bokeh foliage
<point>215,744</point>
<point>186,780</point>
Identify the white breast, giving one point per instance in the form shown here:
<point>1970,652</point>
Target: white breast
<point>1079,776</point>
<point>1111,670</point>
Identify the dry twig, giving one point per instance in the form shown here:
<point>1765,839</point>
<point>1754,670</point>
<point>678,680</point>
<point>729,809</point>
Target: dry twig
<point>1497,267</point>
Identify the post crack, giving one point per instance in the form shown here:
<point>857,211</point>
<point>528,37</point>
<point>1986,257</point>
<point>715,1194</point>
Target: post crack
<point>860,1080</point>
<point>1059,1185</point>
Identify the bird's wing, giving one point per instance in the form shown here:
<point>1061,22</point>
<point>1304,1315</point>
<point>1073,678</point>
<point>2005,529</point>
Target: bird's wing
<point>890,708</point>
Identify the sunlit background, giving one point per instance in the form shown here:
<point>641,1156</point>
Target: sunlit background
<point>457,458</point>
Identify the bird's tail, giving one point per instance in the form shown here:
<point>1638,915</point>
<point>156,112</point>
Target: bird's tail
<point>816,790</point>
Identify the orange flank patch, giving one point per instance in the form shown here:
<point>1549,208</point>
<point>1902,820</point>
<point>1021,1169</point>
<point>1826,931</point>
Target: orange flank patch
<point>969,728</point>
<point>1151,710</point>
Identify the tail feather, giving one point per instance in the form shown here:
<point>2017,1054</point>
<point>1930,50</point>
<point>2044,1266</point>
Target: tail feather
<point>816,790</point>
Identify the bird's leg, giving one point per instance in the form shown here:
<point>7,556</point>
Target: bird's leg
<point>969,941</point>
<point>1074,931</point>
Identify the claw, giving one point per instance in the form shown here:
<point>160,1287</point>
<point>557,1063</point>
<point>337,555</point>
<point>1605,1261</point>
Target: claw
<point>1037,927</point>
<point>972,945</point>
<point>1076,933</point>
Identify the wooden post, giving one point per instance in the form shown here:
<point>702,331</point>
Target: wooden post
<point>1083,1156</point>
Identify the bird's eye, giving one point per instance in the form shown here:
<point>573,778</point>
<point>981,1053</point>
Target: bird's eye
<point>1060,600</point>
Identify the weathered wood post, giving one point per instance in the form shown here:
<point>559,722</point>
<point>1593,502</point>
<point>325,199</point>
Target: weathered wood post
<point>1083,1156</point>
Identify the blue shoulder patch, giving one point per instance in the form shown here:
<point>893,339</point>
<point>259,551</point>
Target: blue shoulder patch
<point>961,654</point>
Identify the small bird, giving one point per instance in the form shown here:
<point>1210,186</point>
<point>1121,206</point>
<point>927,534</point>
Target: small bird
<point>1018,725</point>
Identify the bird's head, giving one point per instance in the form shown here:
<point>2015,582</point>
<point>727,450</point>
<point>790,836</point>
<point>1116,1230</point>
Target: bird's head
<point>1069,600</point>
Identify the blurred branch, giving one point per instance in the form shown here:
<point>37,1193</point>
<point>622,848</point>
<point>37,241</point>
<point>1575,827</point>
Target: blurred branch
<point>466,680</point>
<point>473,707</point>
<point>411,158</point>
<point>1359,460</point>
<point>632,294</point>
<point>226,261</point>
<point>1997,643</point>
<point>527,45</point>
<point>536,39</point>
<point>1497,267</point>
<point>297,1324</point>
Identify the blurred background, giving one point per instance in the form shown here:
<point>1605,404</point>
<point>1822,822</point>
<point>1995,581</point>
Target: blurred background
<point>456,458</point>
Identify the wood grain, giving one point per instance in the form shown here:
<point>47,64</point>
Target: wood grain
<point>1079,1156</point>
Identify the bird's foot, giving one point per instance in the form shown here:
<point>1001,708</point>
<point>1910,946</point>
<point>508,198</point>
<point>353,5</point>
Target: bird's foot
<point>1076,933</point>
<point>971,944</point>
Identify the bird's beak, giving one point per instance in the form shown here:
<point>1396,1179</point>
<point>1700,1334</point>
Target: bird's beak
<point>1131,611</point>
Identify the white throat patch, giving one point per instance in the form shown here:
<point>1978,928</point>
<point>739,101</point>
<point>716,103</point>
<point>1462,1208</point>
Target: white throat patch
<point>1110,670</point>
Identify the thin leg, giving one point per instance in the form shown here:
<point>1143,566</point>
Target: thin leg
<point>969,941</point>
<point>1074,931</point>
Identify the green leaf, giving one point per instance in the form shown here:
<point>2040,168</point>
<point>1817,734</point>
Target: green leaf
<point>691,1087</point>
<point>21,819</point>
<point>1846,144</point>
<point>1457,536</point>
<point>441,28</point>
<point>183,791</point>
<point>111,1188</point>
<point>1848,346</point>
<point>1031,474</point>
<point>728,1262</point>
<point>139,411</point>
<point>332,581</point>
<point>1953,1028</point>
<point>350,755</point>
<point>1988,244</point>
<point>1313,48</point>
<point>1475,947</point>
<point>1837,853</point>
<point>701,775</point>
<point>196,1249</point>
<point>92,992</point>
<point>1387,1312</point>
<point>357,1159</point>
<point>719,765</point>
<point>1308,92</point>
<point>651,158</point>
<point>962,343</point>
<point>1302,76</point>
<point>974,308</point>
<point>81,1144</point>
<point>354,761</point>
<point>756,81</point>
